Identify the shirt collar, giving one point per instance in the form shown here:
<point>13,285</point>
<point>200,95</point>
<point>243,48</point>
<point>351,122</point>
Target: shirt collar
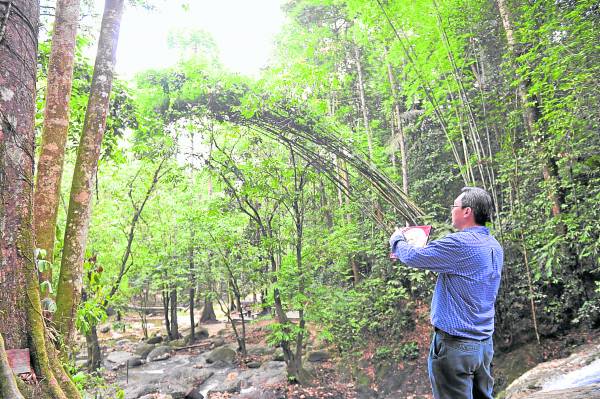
<point>478,229</point>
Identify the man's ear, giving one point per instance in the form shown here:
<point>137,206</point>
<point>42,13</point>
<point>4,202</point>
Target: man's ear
<point>468,211</point>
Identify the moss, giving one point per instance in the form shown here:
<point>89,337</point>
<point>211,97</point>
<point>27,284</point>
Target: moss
<point>37,330</point>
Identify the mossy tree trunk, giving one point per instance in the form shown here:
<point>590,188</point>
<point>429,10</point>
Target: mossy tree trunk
<point>78,217</point>
<point>54,131</point>
<point>21,321</point>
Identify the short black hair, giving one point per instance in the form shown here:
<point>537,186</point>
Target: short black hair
<point>480,201</point>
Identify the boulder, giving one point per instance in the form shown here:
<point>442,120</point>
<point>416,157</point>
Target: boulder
<point>105,329</point>
<point>278,355</point>
<point>577,376</point>
<point>122,342</point>
<point>201,333</point>
<point>178,343</point>
<point>159,353</point>
<point>318,356</point>
<point>141,391</point>
<point>119,357</point>
<point>217,342</point>
<point>223,354</point>
<point>269,373</point>
<point>143,349</point>
<point>253,365</point>
<point>259,350</point>
<point>262,393</point>
<point>154,340</point>
<point>156,396</point>
<point>134,361</point>
<point>194,393</point>
<point>231,385</point>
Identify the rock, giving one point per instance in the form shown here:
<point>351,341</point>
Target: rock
<point>156,396</point>
<point>278,355</point>
<point>122,342</point>
<point>577,376</point>
<point>178,343</point>
<point>231,385</point>
<point>586,392</point>
<point>253,365</point>
<point>159,353</point>
<point>223,354</point>
<point>259,350</point>
<point>318,356</point>
<point>141,391</point>
<point>217,342</point>
<point>143,349</point>
<point>119,357</point>
<point>269,373</point>
<point>134,361</point>
<point>194,393</point>
<point>105,329</point>
<point>201,333</point>
<point>261,393</point>
<point>154,340</point>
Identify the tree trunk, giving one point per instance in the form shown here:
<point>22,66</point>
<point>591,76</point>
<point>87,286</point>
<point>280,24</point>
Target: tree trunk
<point>21,322</point>
<point>208,311</point>
<point>192,293</point>
<point>165,299</point>
<point>174,331</point>
<point>54,132</point>
<point>399,131</point>
<point>78,218</point>
<point>8,384</point>
<point>363,101</point>
<point>93,350</point>
<point>531,111</point>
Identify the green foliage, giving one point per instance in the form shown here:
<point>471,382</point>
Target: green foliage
<point>229,207</point>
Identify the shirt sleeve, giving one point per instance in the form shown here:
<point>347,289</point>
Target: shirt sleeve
<point>438,256</point>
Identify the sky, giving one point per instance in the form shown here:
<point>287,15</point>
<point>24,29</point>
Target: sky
<point>244,30</point>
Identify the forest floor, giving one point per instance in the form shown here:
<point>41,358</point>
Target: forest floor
<point>364,375</point>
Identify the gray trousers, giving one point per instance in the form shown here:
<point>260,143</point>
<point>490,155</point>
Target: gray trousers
<point>460,368</point>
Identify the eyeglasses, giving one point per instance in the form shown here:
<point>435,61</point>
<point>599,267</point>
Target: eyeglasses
<point>456,206</point>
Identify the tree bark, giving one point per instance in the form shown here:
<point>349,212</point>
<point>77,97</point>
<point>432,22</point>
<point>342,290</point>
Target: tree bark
<point>165,299</point>
<point>21,322</point>
<point>174,331</point>
<point>208,311</point>
<point>93,349</point>
<point>76,232</point>
<point>192,291</point>
<point>54,132</point>
<point>8,384</point>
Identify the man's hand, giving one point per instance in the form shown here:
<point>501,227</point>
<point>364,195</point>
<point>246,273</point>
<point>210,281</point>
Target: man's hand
<point>397,236</point>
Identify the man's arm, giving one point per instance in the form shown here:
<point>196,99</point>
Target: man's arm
<point>439,256</point>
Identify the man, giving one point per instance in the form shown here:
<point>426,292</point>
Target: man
<point>468,264</point>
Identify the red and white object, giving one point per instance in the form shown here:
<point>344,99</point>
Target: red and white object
<point>417,235</point>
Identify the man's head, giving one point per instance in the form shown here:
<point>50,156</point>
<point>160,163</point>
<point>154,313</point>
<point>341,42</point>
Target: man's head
<point>473,207</point>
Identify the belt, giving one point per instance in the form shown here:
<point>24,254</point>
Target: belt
<point>444,334</point>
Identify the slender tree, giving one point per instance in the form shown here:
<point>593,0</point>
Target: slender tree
<point>54,131</point>
<point>78,217</point>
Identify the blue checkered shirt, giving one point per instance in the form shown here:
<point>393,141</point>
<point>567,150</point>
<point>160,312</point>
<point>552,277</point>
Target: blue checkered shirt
<point>468,264</point>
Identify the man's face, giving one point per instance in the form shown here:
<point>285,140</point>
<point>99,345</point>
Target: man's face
<point>458,213</point>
